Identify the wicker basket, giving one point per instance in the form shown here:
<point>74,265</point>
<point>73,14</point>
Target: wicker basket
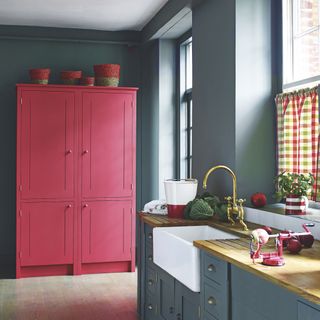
<point>39,76</point>
<point>87,81</point>
<point>70,77</point>
<point>107,74</point>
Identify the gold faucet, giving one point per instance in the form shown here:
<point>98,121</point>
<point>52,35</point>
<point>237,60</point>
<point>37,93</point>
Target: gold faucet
<point>234,205</point>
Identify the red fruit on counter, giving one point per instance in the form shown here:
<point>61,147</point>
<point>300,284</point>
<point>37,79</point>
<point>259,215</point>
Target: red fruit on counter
<point>307,240</point>
<point>294,245</point>
<point>258,199</point>
<point>268,229</point>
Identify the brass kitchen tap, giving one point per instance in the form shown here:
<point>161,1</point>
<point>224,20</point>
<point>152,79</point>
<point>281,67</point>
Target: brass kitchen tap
<point>234,206</point>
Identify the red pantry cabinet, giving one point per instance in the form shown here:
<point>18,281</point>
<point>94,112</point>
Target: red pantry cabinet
<point>76,149</point>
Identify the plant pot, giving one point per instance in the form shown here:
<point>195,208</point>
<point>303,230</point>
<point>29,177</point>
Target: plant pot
<point>107,74</point>
<point>39,76</point>
<point>296,205</point>
<point>70,77</point>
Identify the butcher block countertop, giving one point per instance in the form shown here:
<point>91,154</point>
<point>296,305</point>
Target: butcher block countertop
<point>300,274</point>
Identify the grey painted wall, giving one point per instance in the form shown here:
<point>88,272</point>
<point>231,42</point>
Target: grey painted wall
<point>232,94</point>
<point>17,55</point>
<point>255,111</point>
<point>213,42</point>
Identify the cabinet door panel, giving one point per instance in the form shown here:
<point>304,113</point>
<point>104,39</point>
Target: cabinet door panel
<point>107,145</point>
<point>46,233</point>
<point>47,143</point>
<point>166,296</point>
<point>187,302</point>
<point>106,231</point>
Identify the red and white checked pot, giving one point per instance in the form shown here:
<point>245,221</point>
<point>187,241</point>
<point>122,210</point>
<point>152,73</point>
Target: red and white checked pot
<point>296,205</point>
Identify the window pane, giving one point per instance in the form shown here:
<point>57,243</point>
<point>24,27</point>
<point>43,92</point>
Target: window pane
<point>306,13</point>
<point>189,65</point>
<point>306,57</point>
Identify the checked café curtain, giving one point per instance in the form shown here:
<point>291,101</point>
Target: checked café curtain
<point>298,134</point>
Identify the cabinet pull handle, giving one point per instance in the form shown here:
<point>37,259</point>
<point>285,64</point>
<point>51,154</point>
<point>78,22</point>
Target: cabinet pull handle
<point>85,151</point>
<point>150,306</point>
<point>150,236</point>
<point>68,205</point>
<point>150,257</point>
<point>212,301</point>
<point>178,316</point>
<point>171,309</point>
<point>150,282</point>
<point>85,205</point>
<point>69,151</point>
<point>211,268</point>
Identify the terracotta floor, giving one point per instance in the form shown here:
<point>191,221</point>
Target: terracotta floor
<point>86,297</point>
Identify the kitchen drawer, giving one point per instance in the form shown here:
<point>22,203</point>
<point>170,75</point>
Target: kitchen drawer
<point>149,235</point>
<point>306,312</point>
<point>149,255</point>
<point>214,268</point>
<point>151,280</point>
<point>150,307</point>
<point>215,300</point>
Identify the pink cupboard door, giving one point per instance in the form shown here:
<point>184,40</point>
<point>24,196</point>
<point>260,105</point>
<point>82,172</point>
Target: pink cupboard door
<point>107,145</point>
<point>47,144</point>
<point>46,233</point>
<point>106,231</point>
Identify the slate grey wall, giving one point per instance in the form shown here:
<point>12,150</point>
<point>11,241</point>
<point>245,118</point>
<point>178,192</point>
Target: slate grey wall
<point>18,53</point>
<point>233,89</point>
<point>213,93</point>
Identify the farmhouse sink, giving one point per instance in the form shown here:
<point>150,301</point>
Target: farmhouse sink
<point>174,252</point>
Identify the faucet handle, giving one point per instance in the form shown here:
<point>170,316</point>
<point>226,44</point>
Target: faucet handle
<point>241,201</point>
<point>228,199</point>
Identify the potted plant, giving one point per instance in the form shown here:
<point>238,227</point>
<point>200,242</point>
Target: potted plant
<point>295,188</point>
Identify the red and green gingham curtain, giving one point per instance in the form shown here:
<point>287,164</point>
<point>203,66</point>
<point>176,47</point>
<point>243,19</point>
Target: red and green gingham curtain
<point>298,134</point>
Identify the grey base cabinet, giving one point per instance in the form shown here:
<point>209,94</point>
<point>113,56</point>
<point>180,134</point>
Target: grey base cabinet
<point>226,292</point>
<point>160,296</point>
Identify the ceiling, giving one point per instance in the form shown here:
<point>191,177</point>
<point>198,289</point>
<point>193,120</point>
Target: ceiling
<point>109,15</point>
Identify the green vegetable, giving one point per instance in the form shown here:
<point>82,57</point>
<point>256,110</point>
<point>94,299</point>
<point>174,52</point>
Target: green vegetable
<point>200,210</point>
<point>221,211</point>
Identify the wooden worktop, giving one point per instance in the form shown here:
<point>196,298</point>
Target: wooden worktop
<point>300,274</point>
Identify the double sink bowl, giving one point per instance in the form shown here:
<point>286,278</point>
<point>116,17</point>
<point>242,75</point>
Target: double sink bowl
<point>173,251</point>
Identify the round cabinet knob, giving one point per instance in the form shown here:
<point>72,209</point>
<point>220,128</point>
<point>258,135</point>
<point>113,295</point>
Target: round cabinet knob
<point>150,307</point>
<point>85,151</point>
<point>211,268</point>
<point>150,282</point>
<point>68,205</point>
<point>85,205</point>
<point>69,151</point>
<point>212,301</point>
<point>150,258</point>
<point>149,235</point>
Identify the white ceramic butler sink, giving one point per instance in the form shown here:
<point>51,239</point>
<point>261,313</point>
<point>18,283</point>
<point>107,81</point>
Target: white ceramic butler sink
<point>174,252</point>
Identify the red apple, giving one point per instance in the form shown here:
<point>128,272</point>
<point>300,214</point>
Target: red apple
<point>268,229</point>
<point>258,199</point>
<point>307,240</point>
<point>294,245</point>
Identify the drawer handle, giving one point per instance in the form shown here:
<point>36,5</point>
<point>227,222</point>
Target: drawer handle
<point>150,282</point>
<point>150,258</point>
<point>150,307</point>
<point>171,309</point>
<point>212,301</point>
<point>178,316</point>
<point>211,268</point>
<point>150,236</point>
